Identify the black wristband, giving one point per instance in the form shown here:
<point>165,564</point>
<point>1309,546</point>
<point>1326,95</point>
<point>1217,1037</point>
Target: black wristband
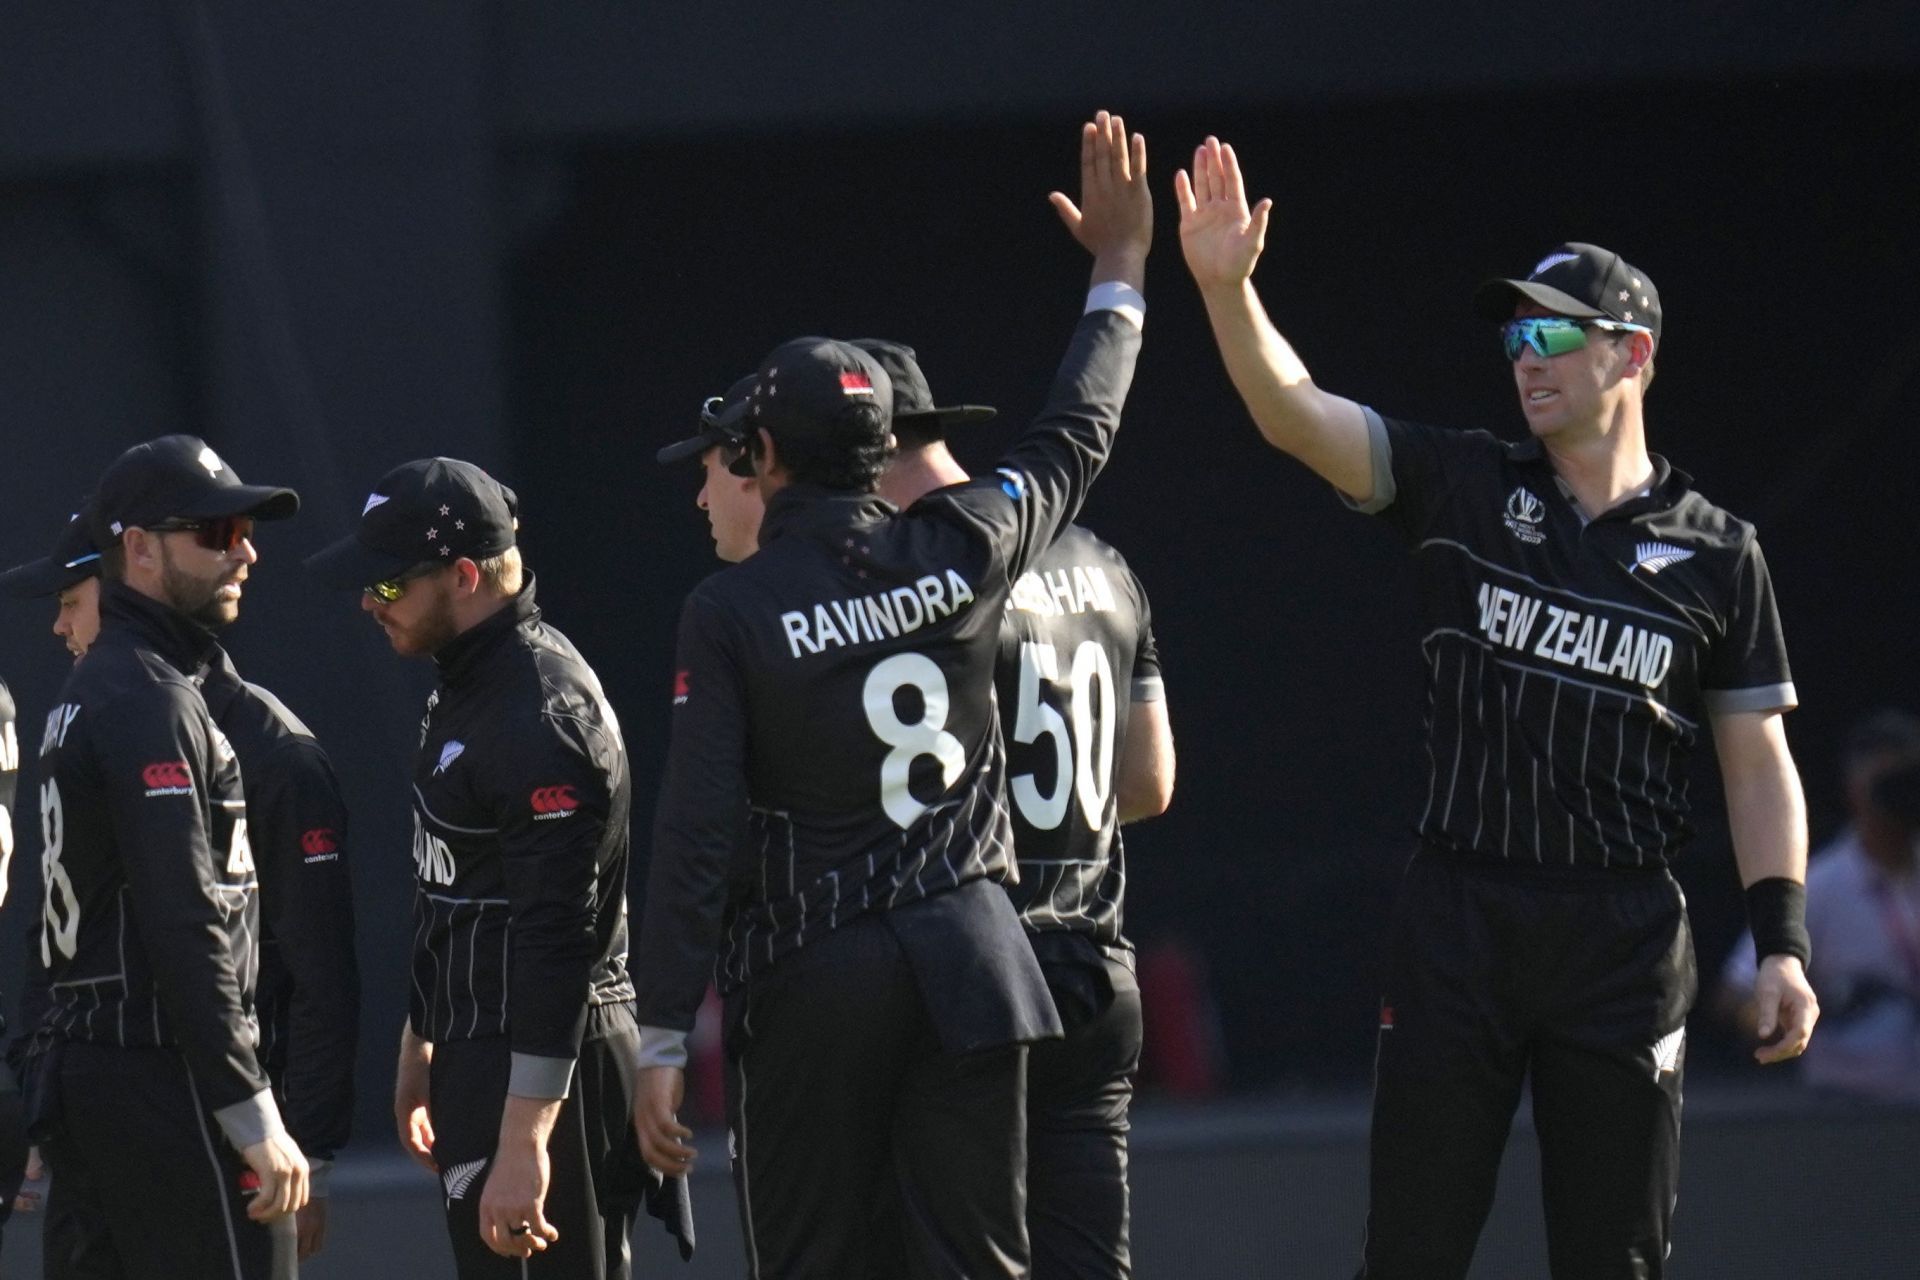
<point>1777,913</point>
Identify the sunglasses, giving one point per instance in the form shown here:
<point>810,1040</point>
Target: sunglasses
<point>1555,335</point>
<point>391,589</point>
<point>223,534</point>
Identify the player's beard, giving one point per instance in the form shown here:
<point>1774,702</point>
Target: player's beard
<point>197,598</point>
<point>433,631</point>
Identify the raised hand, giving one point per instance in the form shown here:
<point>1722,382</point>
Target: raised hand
<point>1114,219</point>
<point>1220,237</point>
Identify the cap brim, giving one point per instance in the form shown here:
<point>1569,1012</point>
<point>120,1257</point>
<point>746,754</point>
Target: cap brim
<point>38,579</point>
<point>1493,301</point>
<point>351,563</point>
<point>262,502</point>
<point>958,415</point>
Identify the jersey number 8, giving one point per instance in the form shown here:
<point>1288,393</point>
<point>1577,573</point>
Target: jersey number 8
<point>926,736</point>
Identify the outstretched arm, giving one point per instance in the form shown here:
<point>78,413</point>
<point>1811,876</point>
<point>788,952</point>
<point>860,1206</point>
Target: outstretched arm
<point>1222,240</point>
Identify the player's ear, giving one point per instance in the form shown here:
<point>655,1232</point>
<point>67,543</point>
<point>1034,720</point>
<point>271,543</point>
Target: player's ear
<point>466,576</point>
<point>767,456</point>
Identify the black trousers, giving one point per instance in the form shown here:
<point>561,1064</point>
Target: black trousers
<point>13,1142</point>
<point>861,1150</point>
<point>1078,1092</point>
<point>1581,986</point>
<point>598,1179</point>
<point>144,1183</point>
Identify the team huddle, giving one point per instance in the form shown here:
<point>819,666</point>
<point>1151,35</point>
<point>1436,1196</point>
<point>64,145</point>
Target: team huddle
<point>909,721</point>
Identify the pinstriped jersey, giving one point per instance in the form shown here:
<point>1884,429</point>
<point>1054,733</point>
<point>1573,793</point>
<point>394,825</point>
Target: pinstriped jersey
<point>1571,664</point>
<point>1076,651</point>
<point>835,745</point>
<point>520,799</point>
<point>150,926</point>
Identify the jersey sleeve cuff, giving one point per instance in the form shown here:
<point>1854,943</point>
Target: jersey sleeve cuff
<point>1149,689</point>
<point>1380,453</point>
<point>1115,295</point>
<point>319,1174</point>
<point>663,1047</point>
<point>533,1076</point>
<point>1761,698</point>
<point>252,1121</point>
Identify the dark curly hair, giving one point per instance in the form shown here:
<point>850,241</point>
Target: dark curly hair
<point>849,454</point>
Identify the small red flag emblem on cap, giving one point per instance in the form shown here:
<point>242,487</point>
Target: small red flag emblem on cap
<point>856,384</point>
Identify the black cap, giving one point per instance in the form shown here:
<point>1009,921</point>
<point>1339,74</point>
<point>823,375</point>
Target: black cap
<point>178,478</point>
<point>1579,280</point>
<point>816,387</point>
<point>72,561</point>
<point>430,510</point>
<point>711,431</point>
<point>913,405</point>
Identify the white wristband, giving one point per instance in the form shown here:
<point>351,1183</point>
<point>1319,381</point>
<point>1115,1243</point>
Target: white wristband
<point>1116,295</point>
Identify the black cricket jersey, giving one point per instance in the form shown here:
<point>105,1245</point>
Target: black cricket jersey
<point>835,747</point>
<point>521,804</point>
<point>1571,665</point>
<point>1076,651</point>
<point>150,924</point>
<point>308,995</point>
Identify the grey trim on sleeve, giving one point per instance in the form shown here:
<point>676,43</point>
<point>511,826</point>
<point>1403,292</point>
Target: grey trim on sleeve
<point>533,1076</point>
<point>1380,449</point>
<point>252,1121</point>
<point>1766,697</point>
<point>319,1173</point>
<point>662,1047</point>
<point>1149,689</point>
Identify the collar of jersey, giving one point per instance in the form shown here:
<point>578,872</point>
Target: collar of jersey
<point>1669,484</point>
<point>467,652</point>
<point>184,643</point>
<point>800,508</point>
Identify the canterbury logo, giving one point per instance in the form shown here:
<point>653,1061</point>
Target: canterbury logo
<point>682,686</point>
<point>168,778</point>
<point>554,801</point>
<point>1666,1052</point>
<point>1655,556</point>
<point>319,841</point>
<point>459,1178</point>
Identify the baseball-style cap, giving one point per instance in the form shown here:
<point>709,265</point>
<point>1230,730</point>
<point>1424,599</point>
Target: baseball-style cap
<point>913,404</point>
<point>430,510</point>
<point>177,478</point>
<point>711,432</point>
<point>816,387</point>
<point>72,561</point>
<point>1579,280</point>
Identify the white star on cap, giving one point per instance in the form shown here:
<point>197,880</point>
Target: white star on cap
<point>1635,282</point>
<point>1624,295</point>
<point>459,524</point>
<point>1644,302</point>
<point>432,534</point>
<point>445,509</point>
<point>443,551</point>
<point>1628,317</point>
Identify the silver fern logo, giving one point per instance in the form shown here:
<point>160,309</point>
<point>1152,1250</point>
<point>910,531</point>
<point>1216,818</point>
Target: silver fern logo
<point>1666,1052</point>
<point>1655,556</point>
<point>459,1178</point>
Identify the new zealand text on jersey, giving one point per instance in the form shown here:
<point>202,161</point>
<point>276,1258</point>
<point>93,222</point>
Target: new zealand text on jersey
<point>1574,639</point>
<point>883,615</point>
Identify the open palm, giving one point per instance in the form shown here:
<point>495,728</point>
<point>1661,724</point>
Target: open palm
<point>1219,236</point>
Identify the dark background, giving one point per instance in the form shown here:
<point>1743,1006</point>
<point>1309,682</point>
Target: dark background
<point>330,238</point>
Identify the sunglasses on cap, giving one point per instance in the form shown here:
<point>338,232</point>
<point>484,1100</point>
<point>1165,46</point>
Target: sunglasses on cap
<point>388,590</point>
<point>223,534</point>
<point>1555,335</point>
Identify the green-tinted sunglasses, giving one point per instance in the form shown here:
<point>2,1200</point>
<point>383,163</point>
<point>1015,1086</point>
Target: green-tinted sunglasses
<point>391,589</point>
<point>1555,335</point>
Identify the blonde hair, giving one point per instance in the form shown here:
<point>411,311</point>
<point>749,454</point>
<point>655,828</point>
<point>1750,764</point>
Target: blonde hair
<point>503,574</point>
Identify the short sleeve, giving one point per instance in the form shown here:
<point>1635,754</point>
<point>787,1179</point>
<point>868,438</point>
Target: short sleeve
<point>1147,683</point>
<point>1746,671</point>
<point>1418,469</point>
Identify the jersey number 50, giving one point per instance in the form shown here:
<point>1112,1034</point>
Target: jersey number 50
<point>1084,757</point>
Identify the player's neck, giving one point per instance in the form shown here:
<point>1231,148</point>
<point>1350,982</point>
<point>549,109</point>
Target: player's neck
<point>914,474</point>
<point>1606,465</point>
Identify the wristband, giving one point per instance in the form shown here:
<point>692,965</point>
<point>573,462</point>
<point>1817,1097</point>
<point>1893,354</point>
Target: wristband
<point>1777,913</point>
